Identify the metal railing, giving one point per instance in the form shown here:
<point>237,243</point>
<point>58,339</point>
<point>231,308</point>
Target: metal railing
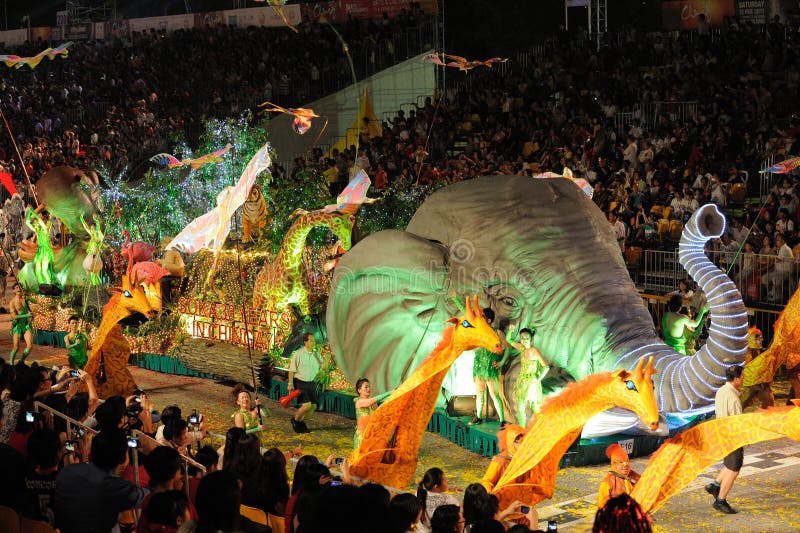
<point>761,279</point>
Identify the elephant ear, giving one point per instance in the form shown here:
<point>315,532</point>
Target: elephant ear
<point>388,307</point>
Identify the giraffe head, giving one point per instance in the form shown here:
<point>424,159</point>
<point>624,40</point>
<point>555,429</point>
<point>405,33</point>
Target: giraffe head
<point>472,331</point>
<point>127,300</point>
<point>341,225</point>
<point>634,391</point>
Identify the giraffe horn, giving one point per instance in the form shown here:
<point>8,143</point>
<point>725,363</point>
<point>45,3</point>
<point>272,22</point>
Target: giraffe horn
<point>468,309</point>
<point>476,308</point>
<point>637,372</point>
<point>650,369</point>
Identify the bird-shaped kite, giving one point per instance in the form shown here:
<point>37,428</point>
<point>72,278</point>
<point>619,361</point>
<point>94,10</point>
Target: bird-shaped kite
<point>784,167</point>
<point>170,161</point>
<point>50,53</point>
<point>352,197</point>
<point>302,116</point>
<point>277,5</point>
<point>211,229</point>
<point>567,173</point>
<point>461,63</point>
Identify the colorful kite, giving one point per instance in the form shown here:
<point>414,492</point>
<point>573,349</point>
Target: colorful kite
<point>211,229</point>
<point>50,53</point>
<point>459,62</point>
<point>170,161</point>
<point>302,116</point>
<point>784,167</point>
<point>352,197</point>
<point>585,186</point>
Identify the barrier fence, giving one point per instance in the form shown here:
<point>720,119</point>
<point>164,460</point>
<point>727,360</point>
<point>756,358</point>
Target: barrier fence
<point>763,280</point>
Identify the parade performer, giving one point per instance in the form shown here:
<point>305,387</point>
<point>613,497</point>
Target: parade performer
<point>246,417</point>
<point>620,480</point>
<point>304,366</point>
<point>21,324</point>
<point>365,406</point>
<point>674,324</point>
<point>45,257</point>
<point>486,375</point>
<point>528,388</point>
<point>77,342</point>
<point>508,439</point>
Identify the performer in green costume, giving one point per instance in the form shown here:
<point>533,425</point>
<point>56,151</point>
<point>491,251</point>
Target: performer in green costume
<point>674,324</point>
<point>528,388</point>
<point>77,343</point>
<point>21,324</point>
<point>247,417</point>
<point>365,406</point>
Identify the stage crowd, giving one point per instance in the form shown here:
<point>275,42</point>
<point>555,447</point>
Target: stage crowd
<point>563,104</point>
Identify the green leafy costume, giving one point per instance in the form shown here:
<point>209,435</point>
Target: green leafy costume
<point>76,351</point>
<point>528,388</point>
<point>361,411</point>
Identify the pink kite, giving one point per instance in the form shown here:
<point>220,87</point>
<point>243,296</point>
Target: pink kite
<point>784,167</point>
<point>32,62</point>
<point>211,229</point>
<point>584,185</point>
<point>170,161</point>
<point>302,116</point>
<point>353,196</point>
<point>459,62</point>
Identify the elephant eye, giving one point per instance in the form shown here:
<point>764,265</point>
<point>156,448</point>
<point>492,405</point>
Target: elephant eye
<point>509,301</point>
<point>466,324</point>
<point>631,385</point>
<point>127,294</point>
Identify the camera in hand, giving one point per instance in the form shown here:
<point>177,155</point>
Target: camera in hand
<point>338,460</point>
<point>194,418</point>
<point>74,373</point>
<point>133,443</point>
<point>524,509</point>
<point>69,445</point>
<point>552,525</point>
<point>30,417</point>
<point>133,411</point>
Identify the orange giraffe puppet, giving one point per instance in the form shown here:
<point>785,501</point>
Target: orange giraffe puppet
<point>530,476</point>
<point>110,347</point>
<point>388,451</point>
<point>680,459</point>
<point>784,350</point>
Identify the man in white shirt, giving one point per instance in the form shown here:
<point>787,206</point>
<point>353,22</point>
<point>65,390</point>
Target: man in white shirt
<point>728,402</point>
<point>620,231</point>
<point>784,265</point>
<point>303,368</point>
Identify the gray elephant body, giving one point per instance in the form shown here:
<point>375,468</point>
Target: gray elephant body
<point>539,252</point>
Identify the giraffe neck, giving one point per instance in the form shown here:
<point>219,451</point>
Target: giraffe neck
<point>581,403</point>
<point>294,242</point>
<point>112,313</point>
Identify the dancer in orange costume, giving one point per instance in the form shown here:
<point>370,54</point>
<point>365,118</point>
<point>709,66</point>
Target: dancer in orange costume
<point>531,475</point>
<point>388,450</point>
<point>508,438</point>
<point>620,480</point>
<point>680,459</point>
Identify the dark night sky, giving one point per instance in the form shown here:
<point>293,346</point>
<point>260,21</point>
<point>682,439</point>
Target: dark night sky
<point>490,26</point>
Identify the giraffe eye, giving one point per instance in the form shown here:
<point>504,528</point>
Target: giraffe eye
<point>466,324</point>
<point>127,294</point>
<point>631,385</point>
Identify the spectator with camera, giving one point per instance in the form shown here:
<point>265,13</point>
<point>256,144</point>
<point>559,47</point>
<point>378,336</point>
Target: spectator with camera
<point>164,468</point>
<point>90,496</point>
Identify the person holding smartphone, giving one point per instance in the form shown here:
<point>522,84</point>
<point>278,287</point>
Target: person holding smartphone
<point>77,343</point>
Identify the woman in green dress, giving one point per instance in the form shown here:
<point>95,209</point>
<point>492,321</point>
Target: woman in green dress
<point>365,406</point>
<point>247,416</point>
<point>21,324</point>
<point>533,367</point>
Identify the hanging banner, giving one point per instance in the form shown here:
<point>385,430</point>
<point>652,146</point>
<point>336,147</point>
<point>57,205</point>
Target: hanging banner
<point>684,14</point>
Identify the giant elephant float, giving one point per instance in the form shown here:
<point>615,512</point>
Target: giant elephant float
<point>542,255</point>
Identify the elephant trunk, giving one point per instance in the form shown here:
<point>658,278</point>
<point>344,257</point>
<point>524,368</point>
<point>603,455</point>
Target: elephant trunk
<point>690,382</point>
